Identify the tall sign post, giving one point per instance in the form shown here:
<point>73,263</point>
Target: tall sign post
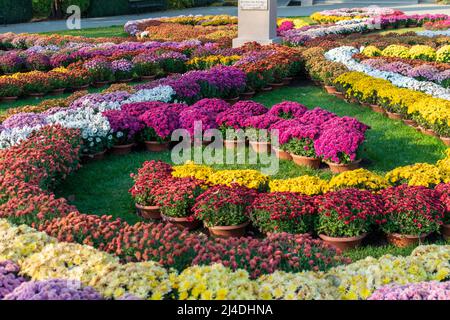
<point>257,21</point>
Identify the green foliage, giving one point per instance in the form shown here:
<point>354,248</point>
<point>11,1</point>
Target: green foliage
<point>83,4</point>
<point>181,4</point>
<point>104,8</point>
<point>15,11</point>
<point>42,8</point>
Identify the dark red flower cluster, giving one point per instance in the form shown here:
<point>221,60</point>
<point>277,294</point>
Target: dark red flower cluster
<point>412,210</point>
<point>283,212</point>
<point>279,251</point>
<point>348,212</point>
<point>92,230</point>
<point>176,196</point>
<point>223,205</point>
<point>149,176</point>
<point>444,191</point>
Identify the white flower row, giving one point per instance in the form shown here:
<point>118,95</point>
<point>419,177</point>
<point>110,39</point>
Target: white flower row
<point>88,117</point>
<point>11,137</point>
<point>431,33</point>
<point>160,93</point>
<point>345,54</point>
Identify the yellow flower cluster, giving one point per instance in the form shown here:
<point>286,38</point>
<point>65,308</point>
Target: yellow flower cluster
<point>252,179</point>
<point>359,279</point>
<point>17,243</point>
<point>371,51</point>
<point>296,286</point>
<point>396,50</point>
<point>214,282</point>
<point>434,111</point>
<point>207,20</point>
<point>443,54</point>
<point>192,170</point>
<point>68,261</point>
<point>360,179</point>
<point>422,52</point>
<point>419,174</point>
<point>202,63</point>
<point>144,280</point>
<point>298,23</point>
<point>324,19</point>
<point>309,185</point>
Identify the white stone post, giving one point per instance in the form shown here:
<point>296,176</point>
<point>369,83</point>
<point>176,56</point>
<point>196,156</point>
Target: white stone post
<point>257,21</point>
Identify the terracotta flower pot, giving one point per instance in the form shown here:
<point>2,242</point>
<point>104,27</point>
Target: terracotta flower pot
<point>313,163</point>
<point>354,100</point>
<point>232,100</point>
<point>394,116</point>
<point>156,146</point>
<point>99,84</point>
<point>93,157</point>
<point>276,85</point>
<point>266,89</point>
<point>340,167</point>
<point>445,229</point>
<point>261,147</point>
<point>229,231</point>
<point>56,92</point>
<point>410,123</point>
<point>282,155</point>
<point>377,109</point>
<point>125,80</point>
<point>122,149</point>
<point>36,95</point>
<point>428,132</point>
<point>445,140</point>
<point>148,78</point>
<point>405,240</point>
<point>231,144</point>
<point>79,88</point>
<point>339,95</point>
<point>185,223</point>
<point>247,95</point>
<point>148,212</point>
<point>8,99</point>
<point>343,243</point>
<point>330,89</point>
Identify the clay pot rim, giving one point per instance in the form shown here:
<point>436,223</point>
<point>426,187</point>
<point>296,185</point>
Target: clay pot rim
<point>123,146</point>
<point>303,157</point>
<point>139,206</point>
<point>343,164</point>
<point>409,236</point>
<point>225,228</point>
<point>177,219</point>
<point>343,239</point>
<point>156,142</point>
<point>259,142</point>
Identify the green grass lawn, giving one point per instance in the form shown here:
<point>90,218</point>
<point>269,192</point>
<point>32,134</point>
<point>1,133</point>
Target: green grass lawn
<point>113,31</point>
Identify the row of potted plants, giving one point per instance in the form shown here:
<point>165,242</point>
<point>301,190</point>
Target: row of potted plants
<point>342,218</point>
<point>38,164</point>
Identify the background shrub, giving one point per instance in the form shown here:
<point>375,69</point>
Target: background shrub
<point>104,8</point>
<point>83,4</point>
<point>15,11</point>
<point>42,8</point>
